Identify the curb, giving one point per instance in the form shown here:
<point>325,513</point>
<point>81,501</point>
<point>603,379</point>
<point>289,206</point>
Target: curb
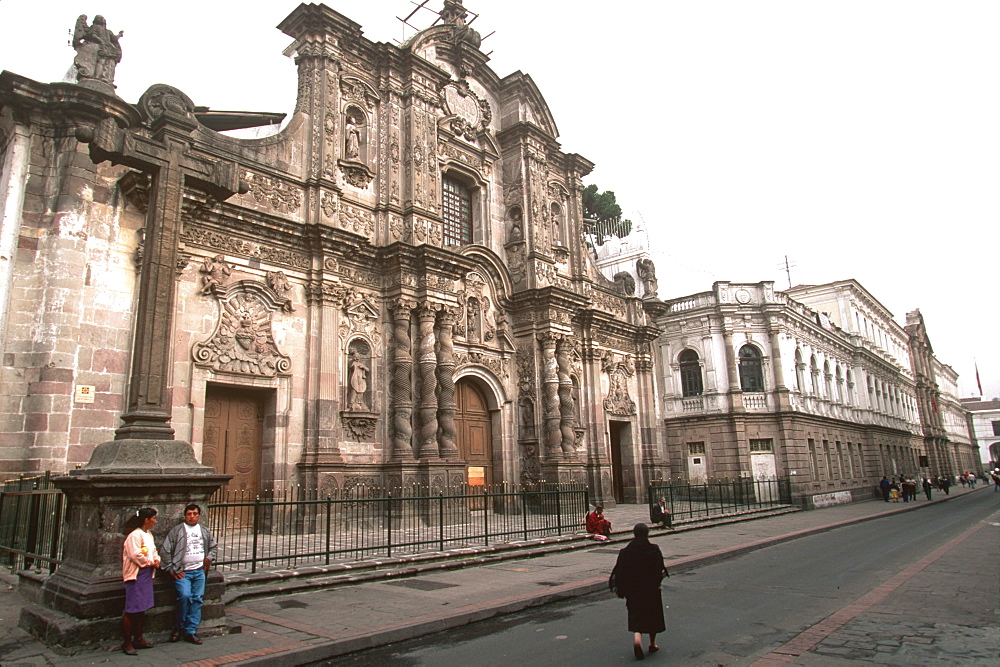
<point>474,613</point>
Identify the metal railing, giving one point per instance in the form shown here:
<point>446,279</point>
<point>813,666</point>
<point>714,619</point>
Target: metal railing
<point>300,528</point>
<point>719,497</point>
<point>31,517</point>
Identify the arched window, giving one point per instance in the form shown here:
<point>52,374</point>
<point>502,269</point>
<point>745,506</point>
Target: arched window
<point>691,384</point>
<point>751,369</point>
<point>814,374</point>
<point>840,385</point>
<point>456,209</point>
<point>827,380</point>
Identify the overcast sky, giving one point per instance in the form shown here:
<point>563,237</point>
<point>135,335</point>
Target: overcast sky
<point>858,137</point>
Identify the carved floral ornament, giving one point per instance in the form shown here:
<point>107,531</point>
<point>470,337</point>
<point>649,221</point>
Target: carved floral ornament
<point>273,192</point>
<point>619,368</point>
<point>243,341</point>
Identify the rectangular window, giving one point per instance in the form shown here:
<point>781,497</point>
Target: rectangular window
<point>996,428</point>
<point>829,463</point>
<point>696,448</point>
<point>457,212</point>
<point>762,445</point>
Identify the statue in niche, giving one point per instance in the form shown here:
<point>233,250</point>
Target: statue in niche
<point>516,234</point>
<point>97,51</point>
<point>217,273</point>
<point>357,387</point>
<point>352,136</point>
<point>527,418</point>
<point>646,271</point>
<point>472,330</point>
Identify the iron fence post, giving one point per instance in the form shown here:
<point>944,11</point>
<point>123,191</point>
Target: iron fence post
<point>388,526</point>
<point>329,506</point>
<point>559,521</point>
<point>256,528</point>
<point>441,519</point>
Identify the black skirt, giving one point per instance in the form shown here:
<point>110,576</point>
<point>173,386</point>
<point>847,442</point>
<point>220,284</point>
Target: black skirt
<point>645,611</point>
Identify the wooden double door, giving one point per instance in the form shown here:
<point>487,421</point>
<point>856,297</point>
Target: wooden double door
<point>473,428</point>
<point>234,435</point>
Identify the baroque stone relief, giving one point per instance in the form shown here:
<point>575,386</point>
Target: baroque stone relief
<point>619,367</point>
<point>273,192</point>
<point>243,341</point>
<point>360,317</point>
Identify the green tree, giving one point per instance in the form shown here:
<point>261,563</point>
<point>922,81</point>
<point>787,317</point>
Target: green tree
<point>604,215</point>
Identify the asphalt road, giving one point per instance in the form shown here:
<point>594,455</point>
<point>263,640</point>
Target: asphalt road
<point>735,612</point>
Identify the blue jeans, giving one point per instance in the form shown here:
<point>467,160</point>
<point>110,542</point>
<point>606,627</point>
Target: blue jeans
<point>190,590</point>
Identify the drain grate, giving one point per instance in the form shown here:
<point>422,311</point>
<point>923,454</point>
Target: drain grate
<point>421,584</point>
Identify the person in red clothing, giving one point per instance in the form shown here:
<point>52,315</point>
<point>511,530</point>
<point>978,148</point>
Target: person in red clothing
<point>597,524</point>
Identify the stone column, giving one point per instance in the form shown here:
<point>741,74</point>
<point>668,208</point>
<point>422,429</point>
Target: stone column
<point>401,389</point>
<point>446,385</point>
<point>551,415</point>
<point>567,406</point>
<point>780,389</point>
<point>427,446</point>
<point>732,371</point>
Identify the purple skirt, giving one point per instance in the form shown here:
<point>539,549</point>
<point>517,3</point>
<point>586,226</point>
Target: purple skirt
<point>139,593</point>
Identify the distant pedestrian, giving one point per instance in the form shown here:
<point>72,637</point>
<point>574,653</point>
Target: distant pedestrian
<point>996,482</point>
<point>944,484</point>
<point>139,560</point>
<point>190,549</point>
<point>638,573</point>
<point>597,524</point>
<point>894,491</point>
<point>927,487</point>
<point>884,486</point>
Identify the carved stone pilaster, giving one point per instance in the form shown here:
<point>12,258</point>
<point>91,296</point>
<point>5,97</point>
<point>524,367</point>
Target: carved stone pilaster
<point>446,385</point>
<point>401,392</point>
<point>567,406</point>
<point>427,365</point>
<point>550,397</point>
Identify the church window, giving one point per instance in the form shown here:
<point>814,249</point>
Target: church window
<point>691,384</point>
<point>457,212</point>
<point>751,369</point>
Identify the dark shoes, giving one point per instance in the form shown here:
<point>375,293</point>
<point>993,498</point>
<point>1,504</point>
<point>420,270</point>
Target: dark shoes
<point>175,636</point>
<point>192,639</point>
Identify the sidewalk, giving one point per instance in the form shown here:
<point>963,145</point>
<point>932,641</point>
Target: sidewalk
<point>308,626</point>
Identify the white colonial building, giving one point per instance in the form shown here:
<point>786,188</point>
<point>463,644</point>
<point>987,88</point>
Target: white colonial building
<point>754,382</point>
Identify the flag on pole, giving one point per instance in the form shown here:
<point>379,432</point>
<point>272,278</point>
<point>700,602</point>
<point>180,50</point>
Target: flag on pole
<point>978,383</point>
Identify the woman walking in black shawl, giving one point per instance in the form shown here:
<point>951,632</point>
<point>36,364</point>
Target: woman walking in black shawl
<point>638,573</point>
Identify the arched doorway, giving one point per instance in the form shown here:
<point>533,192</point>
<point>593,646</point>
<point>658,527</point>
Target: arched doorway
<point>473,428</point>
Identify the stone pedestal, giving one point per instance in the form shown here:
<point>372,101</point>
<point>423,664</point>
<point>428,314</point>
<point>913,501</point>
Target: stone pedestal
<point>83,601</point>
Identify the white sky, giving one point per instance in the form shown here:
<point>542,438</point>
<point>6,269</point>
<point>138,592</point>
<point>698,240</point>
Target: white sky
<point>858,137</point>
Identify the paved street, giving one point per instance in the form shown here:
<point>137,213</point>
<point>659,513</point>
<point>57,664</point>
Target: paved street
<point>305,627</point>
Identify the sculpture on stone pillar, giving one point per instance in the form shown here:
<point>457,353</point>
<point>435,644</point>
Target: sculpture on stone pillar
<point>97,51</point>
<point>646,271</point>
<point>352,135</point>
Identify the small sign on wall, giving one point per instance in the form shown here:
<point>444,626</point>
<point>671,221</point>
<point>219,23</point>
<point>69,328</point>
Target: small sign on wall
<point>84,393</point>
<point>477,476</point>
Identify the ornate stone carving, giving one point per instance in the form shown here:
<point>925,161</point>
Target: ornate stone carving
<point>216,273</point>
<point>356,174</point>
<point>243,341</point>
<point>357,220</point>
<point>232,245</point>
<point>278,282</point>
<point>159,98</point>
<point>358,370</point>
<point>329,205</point>
<point>646,271</point>
<point>98,52</point>
<point>619,368</point>
<point>359,426</point>
<point>280,196</point>
<point>625,283</point>
<point>360,317</point>
<point>355,90</point>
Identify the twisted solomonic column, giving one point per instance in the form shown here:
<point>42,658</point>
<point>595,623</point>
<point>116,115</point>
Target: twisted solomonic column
<point>550,397</point>
<point>446,385</point>
<point>401,389</point>
<point>567,406</point>
<point>427,446</point>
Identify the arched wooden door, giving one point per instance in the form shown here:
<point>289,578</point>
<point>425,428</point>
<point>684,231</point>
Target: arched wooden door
<point>473,428</point>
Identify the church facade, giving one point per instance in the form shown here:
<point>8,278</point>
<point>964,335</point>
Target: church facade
<point>392,290</point>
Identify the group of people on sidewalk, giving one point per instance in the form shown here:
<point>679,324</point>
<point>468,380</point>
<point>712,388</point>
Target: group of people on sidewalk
<point>905,488</point>
<point>189,549</point>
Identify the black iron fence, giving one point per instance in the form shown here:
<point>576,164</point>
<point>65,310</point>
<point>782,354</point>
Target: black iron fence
<point>719,497</point>
<point>299,528</point>
<point>31,515</point>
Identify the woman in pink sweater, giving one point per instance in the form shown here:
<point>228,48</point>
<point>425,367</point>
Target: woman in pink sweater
<point>139,560</point>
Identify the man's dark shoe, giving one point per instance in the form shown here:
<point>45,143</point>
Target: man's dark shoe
<point>192,638</point>
<point>175,636</point>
